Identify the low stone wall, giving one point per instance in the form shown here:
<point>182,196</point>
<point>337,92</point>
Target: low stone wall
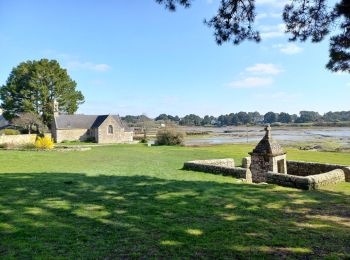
<point>71,135</point>
<point>227,162</point>
<point>299,168</point>
<point>246,161</point>
<point>310,182</point>
<point>17,139</point>
<point>224,167</point>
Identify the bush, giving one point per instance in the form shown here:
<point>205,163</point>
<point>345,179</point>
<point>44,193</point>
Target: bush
<point>44,143</point>
<point>27,146</point>
<point>144,140</point>
<point>169,137</point>
<point>3,146</point>
<point>10,132</point>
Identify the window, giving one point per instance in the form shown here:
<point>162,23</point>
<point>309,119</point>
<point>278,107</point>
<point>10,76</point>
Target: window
<point>110,129</point>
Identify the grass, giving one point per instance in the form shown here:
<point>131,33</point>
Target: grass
<point>134,201</point>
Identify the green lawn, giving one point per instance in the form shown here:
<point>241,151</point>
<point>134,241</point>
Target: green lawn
<point>133,201</point>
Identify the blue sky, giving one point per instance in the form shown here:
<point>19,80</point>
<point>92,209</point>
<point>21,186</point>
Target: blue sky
<point>133,57</point>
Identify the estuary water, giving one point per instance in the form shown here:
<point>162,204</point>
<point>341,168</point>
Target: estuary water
<point>339,135</point>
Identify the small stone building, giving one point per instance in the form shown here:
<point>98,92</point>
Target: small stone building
<point>97,128</point>
<point>268,156</point>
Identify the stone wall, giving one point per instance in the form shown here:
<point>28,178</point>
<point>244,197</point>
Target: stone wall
<point>17,139</point>
<point>119,134</point>
<point>261,164</point>
<point>71,135</point>
<point>246,161</point>
<point>310,182</point>
<point>219,166</point>
<point>311,168</point>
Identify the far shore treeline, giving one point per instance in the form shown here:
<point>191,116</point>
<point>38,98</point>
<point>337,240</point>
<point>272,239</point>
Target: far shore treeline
<point>249,118</point>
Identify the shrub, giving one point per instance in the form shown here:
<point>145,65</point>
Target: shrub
<point>45,143</point>
<point>10,132</point>
<point>27,146</point>
<point>3,146</point>
<point>144,140</point>
<point>169,137</point>
<point>7,146</point>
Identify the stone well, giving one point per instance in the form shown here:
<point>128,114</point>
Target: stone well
<point>268,156</point>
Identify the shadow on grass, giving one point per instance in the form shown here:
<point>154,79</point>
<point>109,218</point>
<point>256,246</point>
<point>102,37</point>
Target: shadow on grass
<point>50,215</point>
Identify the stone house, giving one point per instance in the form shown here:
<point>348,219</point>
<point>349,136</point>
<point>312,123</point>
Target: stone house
<point>97,128</point>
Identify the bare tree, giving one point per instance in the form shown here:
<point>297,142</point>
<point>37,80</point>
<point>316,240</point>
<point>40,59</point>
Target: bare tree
<point>28,121</point>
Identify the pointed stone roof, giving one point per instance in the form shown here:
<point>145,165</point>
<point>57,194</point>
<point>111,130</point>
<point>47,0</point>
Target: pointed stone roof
<point>267,145</point>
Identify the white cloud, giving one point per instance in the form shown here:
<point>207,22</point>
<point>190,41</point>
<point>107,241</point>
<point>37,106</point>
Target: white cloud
<point>272,3</point>
<point>251,82</point>
<point>254,76</point>
<point>264,68</point>
<point>272,31</point>
<point>76,65</point>
<point>261,16</point>
<point>289,48</point>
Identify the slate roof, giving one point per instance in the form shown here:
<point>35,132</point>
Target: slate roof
<point>85,121</point>
<point>268,146</point>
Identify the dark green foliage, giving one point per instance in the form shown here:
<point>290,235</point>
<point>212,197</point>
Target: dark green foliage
<point>143,140</point>
<point>340,44</point>
<point>33,86</point>
<point>191,119</point>
<point>270,117</point>
<point>253,118</point>
<point>234,22</point>
<point>308,116</point>
<point>243,117</point>
<point>336,116</point>
<point>307,19</point>
<point>169,136</point>
<point>208,120</point>
<point>165,117</point>
<point>284,118</point>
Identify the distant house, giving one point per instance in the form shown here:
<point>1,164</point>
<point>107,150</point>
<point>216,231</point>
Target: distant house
<point>98,128</point>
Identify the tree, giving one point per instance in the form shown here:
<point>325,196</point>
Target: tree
<point>191,119</point>
<point>255,117</point>
<point>222,120</point>
<point>162,117</point>
<point>234,120</point>
<point>270,117</point>
<point>165,117</point>
<point>304,19</point>
<point>308,116</point>
<point>243,117</point>
<point>27,121</point>
<point>284,117</point>
<point>207,120</point>
<point>34,85</point>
